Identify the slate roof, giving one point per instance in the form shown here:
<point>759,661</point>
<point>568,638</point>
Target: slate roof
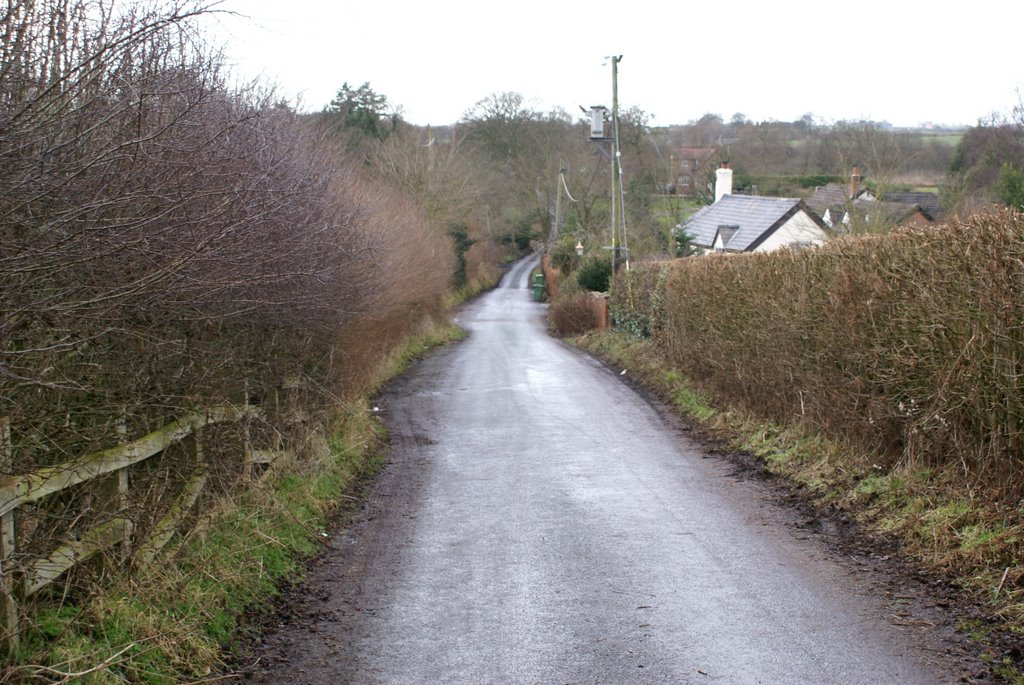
<point>830,196</point>
<point>929,202</point>
<point>755,217</point>
<point>893,213</point>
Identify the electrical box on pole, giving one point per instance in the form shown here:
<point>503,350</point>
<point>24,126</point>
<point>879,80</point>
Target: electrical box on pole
<point>597,113</point>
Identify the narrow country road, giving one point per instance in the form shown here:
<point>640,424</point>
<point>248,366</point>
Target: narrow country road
<point>540,522</point>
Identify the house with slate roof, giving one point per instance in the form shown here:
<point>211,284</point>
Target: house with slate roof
<point>832,201</point>
<point>882,215</point>
<point>853,207</point>
<point>927,202</point>
<point>745,223</point>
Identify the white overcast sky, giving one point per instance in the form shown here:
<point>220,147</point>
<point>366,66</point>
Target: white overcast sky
<point>893,60</point>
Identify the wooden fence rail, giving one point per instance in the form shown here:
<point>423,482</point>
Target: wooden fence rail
<point>18,581</point>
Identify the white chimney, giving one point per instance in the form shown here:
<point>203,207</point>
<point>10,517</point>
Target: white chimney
<point>723,181</point>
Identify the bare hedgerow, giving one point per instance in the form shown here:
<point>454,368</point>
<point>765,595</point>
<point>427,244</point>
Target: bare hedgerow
<point>149,213</point>
<point>412,266</point>
<point>168,244</point>
<point>907,345</point>
<point>572,313</point>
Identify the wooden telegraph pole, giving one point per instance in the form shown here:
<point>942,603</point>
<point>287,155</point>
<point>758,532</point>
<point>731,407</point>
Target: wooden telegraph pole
<point>618,192</point>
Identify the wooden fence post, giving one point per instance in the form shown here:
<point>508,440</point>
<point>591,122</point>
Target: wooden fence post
<point>121,497</point>
<point>291,393</point>
<point>197,446</point>
<point>109,490</point>
<point>8,603</point>
<point>277,420</point>
<point>246,438</point>
<point>165,529</point>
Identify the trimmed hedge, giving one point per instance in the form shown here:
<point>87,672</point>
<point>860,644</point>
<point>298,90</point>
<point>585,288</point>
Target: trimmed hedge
<point>910,345</point>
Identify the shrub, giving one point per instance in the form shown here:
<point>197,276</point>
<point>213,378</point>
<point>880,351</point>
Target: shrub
<point>595,275</point>
<point>571,314</point>
<point>637,302</point>
<point>460,236</point>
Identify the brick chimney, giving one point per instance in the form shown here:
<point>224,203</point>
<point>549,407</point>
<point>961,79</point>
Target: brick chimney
<point>854,181</point>
<point>723,181</point>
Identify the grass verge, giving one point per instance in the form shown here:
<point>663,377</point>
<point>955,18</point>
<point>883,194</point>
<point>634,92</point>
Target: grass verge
<point>178,619</point>
<point>172,622</point>
<point>936,520</point>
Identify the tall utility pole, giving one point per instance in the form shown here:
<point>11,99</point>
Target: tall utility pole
<point>598,118</point>
<point>618,205</point>
<point>557,223</point>
<point>614,161</point>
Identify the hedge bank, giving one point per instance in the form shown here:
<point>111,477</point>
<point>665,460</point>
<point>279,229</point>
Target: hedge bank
<point>908,345</point>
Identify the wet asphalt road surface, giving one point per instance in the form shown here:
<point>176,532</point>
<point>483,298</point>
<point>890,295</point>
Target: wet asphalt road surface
<point>540,522</point>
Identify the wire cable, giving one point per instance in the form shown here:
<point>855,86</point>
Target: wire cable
<point>561,175</point>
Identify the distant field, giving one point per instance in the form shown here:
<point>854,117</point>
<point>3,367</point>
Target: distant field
<point>940,137</point>
<point>951,139</point>
<point>669,210</point>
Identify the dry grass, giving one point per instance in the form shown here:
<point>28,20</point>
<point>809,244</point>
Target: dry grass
<point>171,621</point>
